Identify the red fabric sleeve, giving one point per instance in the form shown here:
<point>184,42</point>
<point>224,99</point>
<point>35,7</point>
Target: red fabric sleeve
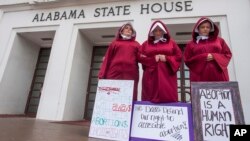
<point>175,59</point>
<point>145,61</point>
<point>105,64</point>
<point>223,58</point>
<point>196,63</point>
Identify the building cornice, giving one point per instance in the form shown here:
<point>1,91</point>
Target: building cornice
<point>49,4</point>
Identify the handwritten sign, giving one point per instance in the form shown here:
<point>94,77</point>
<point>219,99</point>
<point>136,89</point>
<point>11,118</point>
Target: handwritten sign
<point>112,110</point>
<point>215,107</point>
<point>168,122</point>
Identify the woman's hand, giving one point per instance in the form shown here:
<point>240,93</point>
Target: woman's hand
<point>160,57</point>
<point>210,57</point>
<point>157,58</point>
<point>163,58</point>
<point>142,55</point>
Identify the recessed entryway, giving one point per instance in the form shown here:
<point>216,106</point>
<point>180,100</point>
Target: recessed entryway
<point>25,72</point>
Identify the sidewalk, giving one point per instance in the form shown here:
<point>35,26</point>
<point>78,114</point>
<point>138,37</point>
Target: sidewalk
<point>31,129</point>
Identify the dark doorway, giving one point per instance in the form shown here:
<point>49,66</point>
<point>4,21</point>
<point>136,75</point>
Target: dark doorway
<point>183,79</point>
<point>97,56</point>
<point>37,82</point>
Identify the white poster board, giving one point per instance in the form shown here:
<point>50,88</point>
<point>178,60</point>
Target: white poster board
<point>112,110</point>
<point>168,122</point>
<point>217,113</point>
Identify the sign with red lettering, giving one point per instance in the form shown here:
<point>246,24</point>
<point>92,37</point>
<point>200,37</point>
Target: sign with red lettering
<point>112,110</point>
<point>216,105</point>
<point>167,121</point>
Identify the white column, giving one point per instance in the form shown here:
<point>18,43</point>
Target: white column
<point>50,102</point>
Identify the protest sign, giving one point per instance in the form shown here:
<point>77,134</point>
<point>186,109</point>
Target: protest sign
<point>168,122</point>
<point>215,106</point>
<point>111,117</point>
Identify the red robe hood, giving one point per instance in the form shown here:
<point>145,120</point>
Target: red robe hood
<point>213,33</point>
<point>118,34</point>
<point>165,35</point>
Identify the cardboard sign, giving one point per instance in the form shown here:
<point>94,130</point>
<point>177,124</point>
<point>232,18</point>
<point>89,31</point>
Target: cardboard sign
<point>111,117</point>
<point>168,122</point>
<point>215,106</point>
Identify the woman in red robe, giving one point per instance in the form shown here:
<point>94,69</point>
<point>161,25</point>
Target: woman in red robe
<point>120,61</point>
<point>160,58</point>
<point>207,55</point>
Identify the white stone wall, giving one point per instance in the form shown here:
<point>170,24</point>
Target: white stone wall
<point>18,76</point>
<point>12,2</point>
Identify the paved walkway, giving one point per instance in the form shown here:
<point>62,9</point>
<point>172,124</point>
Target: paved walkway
<point>30,129</point>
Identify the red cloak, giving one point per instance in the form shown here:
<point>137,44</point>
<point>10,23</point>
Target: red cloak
<point>159,82</point>
<point>120,61</point>
<point>195,55</point>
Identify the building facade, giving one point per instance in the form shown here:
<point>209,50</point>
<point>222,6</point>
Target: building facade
<point>51,50</point>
